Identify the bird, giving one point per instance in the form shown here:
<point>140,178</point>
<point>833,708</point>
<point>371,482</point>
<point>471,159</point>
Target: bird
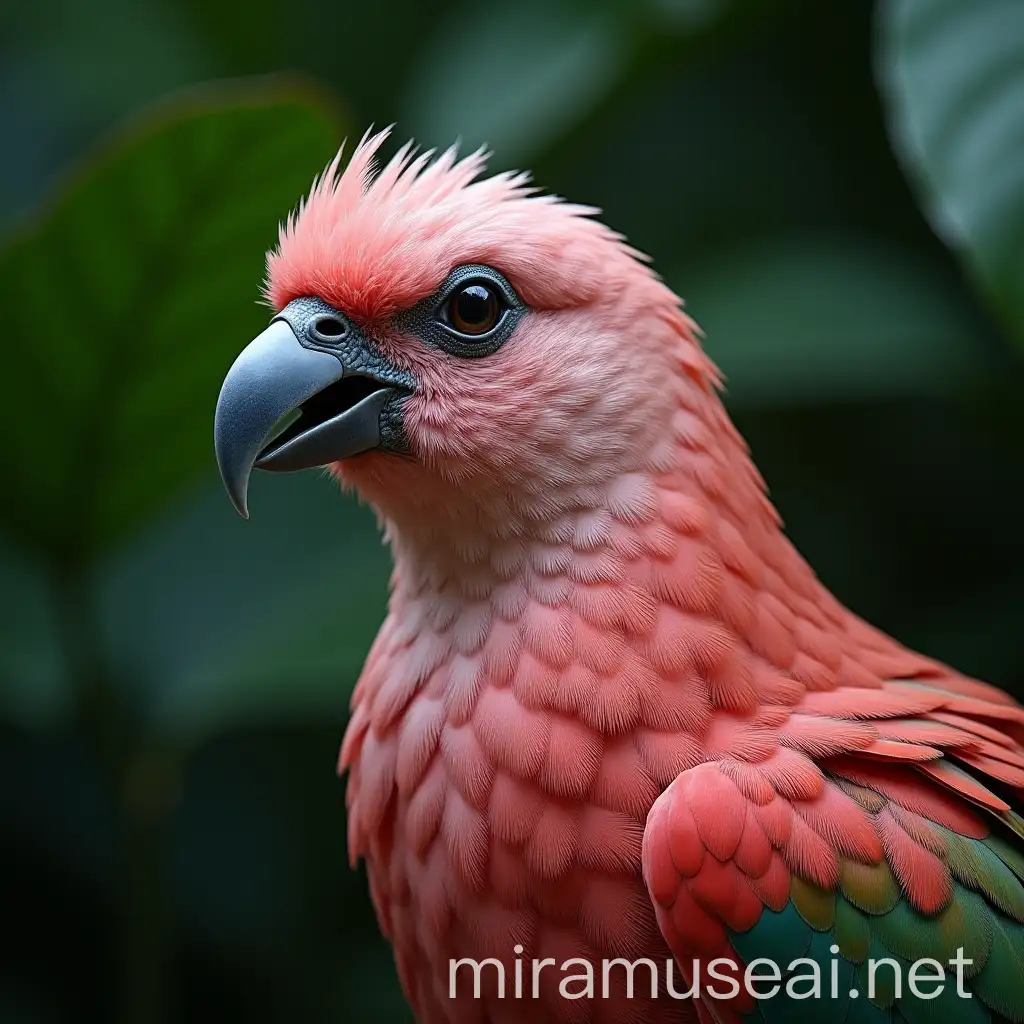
<point>612,724</point>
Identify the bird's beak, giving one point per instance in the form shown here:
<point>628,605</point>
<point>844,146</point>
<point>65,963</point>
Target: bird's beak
<point>287,404</point>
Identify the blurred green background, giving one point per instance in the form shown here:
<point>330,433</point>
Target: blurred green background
<point>836,188</point>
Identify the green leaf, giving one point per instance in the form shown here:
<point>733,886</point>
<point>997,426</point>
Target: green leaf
<point>211,622</point>
<point>554,62</point>
<point>953,76</point>
<point>34,690</point>
<point>809,319</point>
<point>69,71</point>
<point>126,300</point>
<point>208,623</point>
<point>557,62</point>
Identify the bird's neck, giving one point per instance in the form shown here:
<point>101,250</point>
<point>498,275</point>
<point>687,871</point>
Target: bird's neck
<point>585,608</point>
<point>695,489</point>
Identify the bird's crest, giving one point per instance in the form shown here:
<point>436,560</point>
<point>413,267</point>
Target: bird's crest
<point>371,239</point>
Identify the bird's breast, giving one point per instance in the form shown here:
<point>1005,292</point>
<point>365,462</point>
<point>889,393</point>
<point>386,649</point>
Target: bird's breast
<point>499,797</point>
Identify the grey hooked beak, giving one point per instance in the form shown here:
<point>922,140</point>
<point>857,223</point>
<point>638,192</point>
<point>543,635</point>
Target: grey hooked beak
<point>287,404</point>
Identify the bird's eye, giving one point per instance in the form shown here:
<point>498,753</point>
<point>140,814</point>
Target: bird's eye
<point>474,309</point>
<point>471,315</point>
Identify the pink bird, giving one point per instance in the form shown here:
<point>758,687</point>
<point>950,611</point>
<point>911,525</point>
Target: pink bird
<point>612,725</point>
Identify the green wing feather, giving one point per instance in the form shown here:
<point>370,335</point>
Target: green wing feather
<point>870,919</point>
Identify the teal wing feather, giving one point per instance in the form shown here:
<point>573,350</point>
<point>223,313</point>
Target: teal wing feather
<point>851,869</point>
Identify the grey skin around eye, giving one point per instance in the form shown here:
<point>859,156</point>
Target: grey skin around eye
<point>426,319</point>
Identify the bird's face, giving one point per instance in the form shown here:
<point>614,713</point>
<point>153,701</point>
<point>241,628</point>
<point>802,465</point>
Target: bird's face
<point>435,335</point>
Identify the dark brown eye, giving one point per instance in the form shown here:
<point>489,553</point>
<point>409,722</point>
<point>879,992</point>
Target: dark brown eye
<point>474,309</point>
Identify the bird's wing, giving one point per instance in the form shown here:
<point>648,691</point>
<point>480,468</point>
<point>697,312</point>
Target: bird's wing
<point>875,827</point>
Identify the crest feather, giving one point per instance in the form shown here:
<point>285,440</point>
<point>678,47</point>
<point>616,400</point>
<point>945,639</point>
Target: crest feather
<point>371,239</point>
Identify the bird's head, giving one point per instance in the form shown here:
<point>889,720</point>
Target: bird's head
<point>454,344</point>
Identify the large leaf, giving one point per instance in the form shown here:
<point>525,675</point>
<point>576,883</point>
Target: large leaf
<point>953,75</point>
<point>265,620</point>
<point>69,70</point>
<point>34,690</point>
<point>825,319</point>
<point>207,623</point>
<point>524,74</point>
<point>553,62</point>
<point>125,301</point>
